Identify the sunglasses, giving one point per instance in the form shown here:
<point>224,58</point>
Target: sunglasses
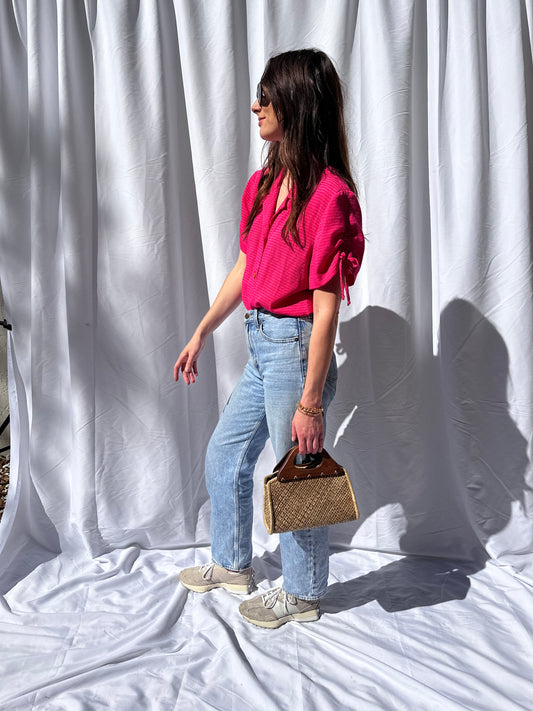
<point>261,96</point>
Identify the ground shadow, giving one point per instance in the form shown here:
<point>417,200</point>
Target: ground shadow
<point>403,584</point>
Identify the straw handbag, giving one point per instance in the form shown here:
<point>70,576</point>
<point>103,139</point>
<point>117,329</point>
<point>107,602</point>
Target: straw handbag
<point>306,494</point>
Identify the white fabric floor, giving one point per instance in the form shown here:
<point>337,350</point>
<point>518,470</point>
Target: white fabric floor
<point>125,143</point>
<point>396,633</point>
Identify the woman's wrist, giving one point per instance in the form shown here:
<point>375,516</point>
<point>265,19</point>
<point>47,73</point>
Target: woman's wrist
<point>311,398</point>
<point>310,411</point>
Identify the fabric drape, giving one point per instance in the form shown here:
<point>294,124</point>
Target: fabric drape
<point>126,141</point>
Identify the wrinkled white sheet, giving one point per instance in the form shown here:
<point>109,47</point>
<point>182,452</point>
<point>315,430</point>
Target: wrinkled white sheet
<point>126,140</point>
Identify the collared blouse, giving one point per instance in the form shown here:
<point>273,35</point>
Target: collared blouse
<point>280,277</point>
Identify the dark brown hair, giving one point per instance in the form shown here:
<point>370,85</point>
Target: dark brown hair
<point>306,95</point>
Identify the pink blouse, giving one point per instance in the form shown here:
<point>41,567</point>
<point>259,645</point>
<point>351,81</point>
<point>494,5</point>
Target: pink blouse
<point>281,278</point>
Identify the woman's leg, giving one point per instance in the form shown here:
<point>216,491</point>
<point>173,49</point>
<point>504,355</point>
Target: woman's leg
<point>233,450</point>
<point>304,554</point>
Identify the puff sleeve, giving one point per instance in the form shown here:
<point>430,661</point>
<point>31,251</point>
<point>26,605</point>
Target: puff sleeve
<point>339,243</point>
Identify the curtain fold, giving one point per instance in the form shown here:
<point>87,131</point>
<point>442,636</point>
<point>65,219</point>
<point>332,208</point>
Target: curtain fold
<point>126,140</point>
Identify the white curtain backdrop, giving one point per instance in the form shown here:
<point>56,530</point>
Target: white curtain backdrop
<point>126,142</point>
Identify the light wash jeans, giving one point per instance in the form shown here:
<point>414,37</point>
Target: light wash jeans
<point>262,405</point>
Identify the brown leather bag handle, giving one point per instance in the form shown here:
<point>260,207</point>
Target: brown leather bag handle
<point>288,470</point>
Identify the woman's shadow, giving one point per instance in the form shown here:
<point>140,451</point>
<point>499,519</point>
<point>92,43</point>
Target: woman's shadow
<point>431,449</point>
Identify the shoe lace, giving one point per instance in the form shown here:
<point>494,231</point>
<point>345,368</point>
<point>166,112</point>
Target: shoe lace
<point>270,598</point>
<point>207,570</point>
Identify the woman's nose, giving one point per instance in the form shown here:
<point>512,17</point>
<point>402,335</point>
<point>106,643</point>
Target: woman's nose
<point>255,107</point>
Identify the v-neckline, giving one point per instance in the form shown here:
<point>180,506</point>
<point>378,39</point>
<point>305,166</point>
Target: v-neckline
<point>270,211</point>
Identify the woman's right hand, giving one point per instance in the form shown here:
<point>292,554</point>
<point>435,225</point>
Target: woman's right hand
<point>188,360</point>
<point>227,300</point>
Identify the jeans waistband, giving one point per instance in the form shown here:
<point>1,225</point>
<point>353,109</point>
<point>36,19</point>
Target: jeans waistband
<point>263,311</point>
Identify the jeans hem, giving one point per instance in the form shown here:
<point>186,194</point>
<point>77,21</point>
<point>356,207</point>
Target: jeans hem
<point>306,597</point>
<point>232,570</point>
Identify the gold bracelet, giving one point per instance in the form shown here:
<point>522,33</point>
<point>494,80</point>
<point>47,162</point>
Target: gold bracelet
<point>310,411</point>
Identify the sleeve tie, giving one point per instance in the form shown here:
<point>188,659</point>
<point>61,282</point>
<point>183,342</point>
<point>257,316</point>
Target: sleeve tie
<point>346,261</point>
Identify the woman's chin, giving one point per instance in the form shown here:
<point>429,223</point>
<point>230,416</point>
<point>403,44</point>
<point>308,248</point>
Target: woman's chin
<point>268,136</point>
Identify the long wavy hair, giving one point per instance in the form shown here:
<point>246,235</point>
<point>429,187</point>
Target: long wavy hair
<point>306,95</point>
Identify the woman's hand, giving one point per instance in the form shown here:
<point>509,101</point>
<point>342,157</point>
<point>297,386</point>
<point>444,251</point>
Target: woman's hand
<point>188,359</point>
<point>309,431</point>
<point>227,300</point>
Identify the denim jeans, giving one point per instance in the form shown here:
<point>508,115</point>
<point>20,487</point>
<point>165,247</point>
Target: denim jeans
<point>261,406</point>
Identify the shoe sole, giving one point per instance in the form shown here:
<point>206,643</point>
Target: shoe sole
<point>242,589</point>
<point>310,616</point>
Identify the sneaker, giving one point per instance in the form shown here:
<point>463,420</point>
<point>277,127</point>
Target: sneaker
<point>206,577</point>
<point>275,607</point>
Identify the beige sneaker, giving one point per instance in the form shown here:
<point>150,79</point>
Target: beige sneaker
<point>206,577</point>
<point>275,607</point>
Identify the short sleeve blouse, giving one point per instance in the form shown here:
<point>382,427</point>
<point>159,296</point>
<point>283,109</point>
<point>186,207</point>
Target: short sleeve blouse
<point>280,277</point>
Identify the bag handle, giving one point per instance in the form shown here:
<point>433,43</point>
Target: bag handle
<point>293,466</point>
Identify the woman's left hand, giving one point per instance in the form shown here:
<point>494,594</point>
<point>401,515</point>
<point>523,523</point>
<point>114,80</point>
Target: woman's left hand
<point>309,431</point>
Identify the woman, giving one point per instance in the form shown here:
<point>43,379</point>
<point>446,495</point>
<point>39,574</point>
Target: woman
<point>301,247</point>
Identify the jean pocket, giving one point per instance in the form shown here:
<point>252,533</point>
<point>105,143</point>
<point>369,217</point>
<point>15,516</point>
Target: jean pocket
<point>280,330</point>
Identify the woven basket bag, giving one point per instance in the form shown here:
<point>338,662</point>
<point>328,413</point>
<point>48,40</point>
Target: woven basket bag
<point>298,496</point>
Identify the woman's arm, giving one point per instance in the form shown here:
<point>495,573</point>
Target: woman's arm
<point>227,300</point>
<point>309,431</point>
